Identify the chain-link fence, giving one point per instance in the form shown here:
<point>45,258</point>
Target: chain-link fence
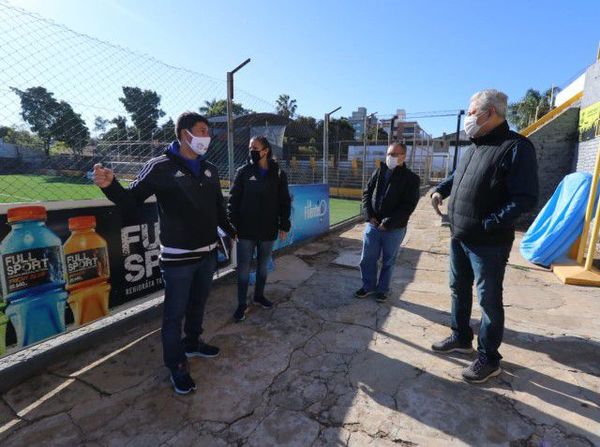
<point>68,101</point>
<point>345,174</point>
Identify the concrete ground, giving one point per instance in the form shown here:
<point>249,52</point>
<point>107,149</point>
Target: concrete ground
<point>324,368</point>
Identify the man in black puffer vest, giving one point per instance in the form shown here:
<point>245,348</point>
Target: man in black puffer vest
<point>495,182</point>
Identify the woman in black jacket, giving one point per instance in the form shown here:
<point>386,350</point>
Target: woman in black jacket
<point>259,208</point>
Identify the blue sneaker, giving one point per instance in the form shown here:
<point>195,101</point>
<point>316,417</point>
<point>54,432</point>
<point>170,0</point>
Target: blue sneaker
<point>181,379</point>
<point>262,301</point>
<point>240,313</point>
<point>202,350</point>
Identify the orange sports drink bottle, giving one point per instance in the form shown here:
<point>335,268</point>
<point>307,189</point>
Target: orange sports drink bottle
<point>88,272</point>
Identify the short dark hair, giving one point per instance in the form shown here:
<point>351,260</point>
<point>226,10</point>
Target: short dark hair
<point>264,142</point>
<point>187,120</point>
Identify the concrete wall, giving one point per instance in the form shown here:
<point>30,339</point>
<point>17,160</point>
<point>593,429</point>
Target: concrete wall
<point>571,90</point>
<point>586,153</point>
<point>8,150</point>
<point>555,145</point>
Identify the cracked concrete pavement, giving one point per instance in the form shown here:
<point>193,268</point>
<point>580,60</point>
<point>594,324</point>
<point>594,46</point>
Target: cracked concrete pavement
<point>325,369</point>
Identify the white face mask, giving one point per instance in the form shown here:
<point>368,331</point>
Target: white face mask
<point>471,126</point>
<point>391,161</point>
<point>198,144</point>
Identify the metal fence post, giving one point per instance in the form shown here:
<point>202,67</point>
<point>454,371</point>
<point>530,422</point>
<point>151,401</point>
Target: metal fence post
<point>460,113</point>
<point>230,141</point>
<point>365,132</point>
<point>364,160</point>
<point>326,144</point>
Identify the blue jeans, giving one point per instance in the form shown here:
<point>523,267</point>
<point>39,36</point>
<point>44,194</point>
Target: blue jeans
<point>186,290</point>
<point>484,264</point>
<point>245,251</point>
<point>378,243</point>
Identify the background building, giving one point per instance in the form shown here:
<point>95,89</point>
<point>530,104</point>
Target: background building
<point>357,120</point>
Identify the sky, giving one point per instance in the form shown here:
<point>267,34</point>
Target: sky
<point>383,55</point>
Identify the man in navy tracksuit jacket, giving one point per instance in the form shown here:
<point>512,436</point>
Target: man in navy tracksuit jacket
<point>190,207</point>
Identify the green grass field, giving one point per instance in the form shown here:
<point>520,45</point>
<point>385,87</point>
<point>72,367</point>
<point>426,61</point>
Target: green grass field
<point>342,209</point>
<point>30,188</point>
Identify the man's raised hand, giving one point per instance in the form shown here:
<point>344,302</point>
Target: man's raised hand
<point>103,177</point>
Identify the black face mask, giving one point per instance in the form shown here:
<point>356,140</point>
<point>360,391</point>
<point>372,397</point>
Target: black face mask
<point>255,157</point>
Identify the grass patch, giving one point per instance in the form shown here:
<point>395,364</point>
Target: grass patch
<point>33,188</point>
<point>342,209</point>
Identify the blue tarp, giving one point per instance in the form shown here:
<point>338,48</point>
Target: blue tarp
<point>559,223</point>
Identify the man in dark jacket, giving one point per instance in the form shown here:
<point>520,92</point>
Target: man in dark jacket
<point>495,182</point>
<point>388,201</point>
<point>190,207</point>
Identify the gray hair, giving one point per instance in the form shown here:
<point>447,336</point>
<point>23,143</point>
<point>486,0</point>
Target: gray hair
<point>485,99</point>
<point>396,144</point>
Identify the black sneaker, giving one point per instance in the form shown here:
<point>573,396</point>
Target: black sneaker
<point>381,297</point>
<point>203,350</point>
<point>452,344</point>
<point>480,371</point>
<point>181,379</point>
<point>240,313</point>
<point>263,302</point>
<point>362,293</point>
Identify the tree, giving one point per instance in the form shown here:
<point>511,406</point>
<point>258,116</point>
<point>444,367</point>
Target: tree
<point>120,122</point>
<point>118,132</point>
<point>339,130</point>
<point>143,107</point>
<point>219,108</point>
<point>531,107</point>
<point>20,137</point>
<point>70,128</point>
<point>550,97</point>
<point>166,132</point>
<point>382,135</point>
<point>286,106</point>
<point>51,119</point>
<point>39,109</point>
<point>100,124</point>
<point>301,130</point>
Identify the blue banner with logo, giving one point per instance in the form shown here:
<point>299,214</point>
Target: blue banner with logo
<point>310,213</point>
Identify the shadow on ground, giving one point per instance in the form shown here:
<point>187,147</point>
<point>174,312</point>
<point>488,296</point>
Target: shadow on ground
<point>323,368</point>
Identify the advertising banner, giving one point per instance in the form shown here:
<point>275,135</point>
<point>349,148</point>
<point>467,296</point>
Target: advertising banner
<point>310,213</point>
<point>589,122</point>
<point>63,268</point>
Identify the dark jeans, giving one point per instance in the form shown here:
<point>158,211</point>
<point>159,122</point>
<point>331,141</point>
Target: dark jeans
<point>186,291</point>
<point>376,244</point>
<point>484,264</point>
<point>245,251</point>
